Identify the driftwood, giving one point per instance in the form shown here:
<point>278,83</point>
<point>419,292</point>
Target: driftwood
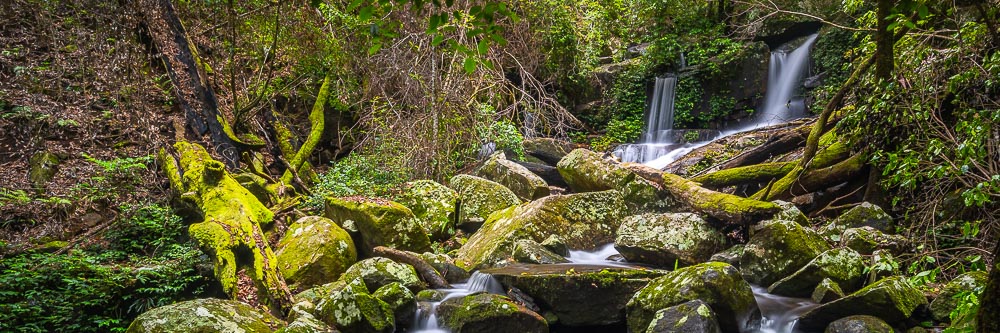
<point>426,271</point>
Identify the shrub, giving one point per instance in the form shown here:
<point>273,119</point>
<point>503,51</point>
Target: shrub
<point>358,174</point>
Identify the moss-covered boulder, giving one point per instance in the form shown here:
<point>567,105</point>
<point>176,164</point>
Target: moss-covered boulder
<point>789,212</point>
<point>525,184</point>
<point>433,204</point>
<point>945,302</point>
<point>583,221</point>
<point>206,315</point>
<point>730,256</point>
<point>557,245</point>
<point>882,264</point>
<point>863,215</point>
<point>377,272</point>
<point>690,317</point>
<point>314,251</point>
<point>380,222</point>
<point>717,284</point>
<point>827,291</point>
<point>778,249</point>
<point>588,171</point>
<point>547,150</point>
<point>302,321</point>
<point>893,299</point>
<point>401,301</point>
<point>579,295</point>
<point>844,266</point>
<point>866,240</point>
<point>527,251</point>
<point>42,166</point>
<point>859,324</point>
<point>479,197</point>
<point>668,239</point>
<point>488,313</point>
<point>446,267</point>
<point>354,309</point>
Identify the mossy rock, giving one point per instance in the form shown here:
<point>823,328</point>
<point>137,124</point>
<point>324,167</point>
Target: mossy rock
<point>444,265</point>
<point>480,197</point>
<point>730,256</point>
<point>42,167</point>
<point>557,245</point>
<point>863,215</point>
<point>789,212</point>
<point>893,299</point>
<point>547,150</point>
<point>207,315</point>
<point>859,324</point>
<point>668,239</point>
<point>579,295</point>
<point>584,221</point>
<point>381,223</point>
<point>883,264</point>
<point>314,251</point>
<point>312,295</point>
<point>690,317</point>
<point>717,284</point>
<point>588,171</point>
<point>827,291</point>
<point>525,184</point>
<point>844,266</point>
<point>527,251</point>
<point>401,301</point>
<point>377,272</point>
<point>488,313</point>
<point>945,302</point>
<point>353,309</point>
<point>303,321</point>
<point>866,240</point>
<point>778,249</point>
<point>433,204</point>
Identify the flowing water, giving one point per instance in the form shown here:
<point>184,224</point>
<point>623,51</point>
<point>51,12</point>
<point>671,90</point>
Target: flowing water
<point>657,137</point>
<point>478,282</point>
<point>780,313</point>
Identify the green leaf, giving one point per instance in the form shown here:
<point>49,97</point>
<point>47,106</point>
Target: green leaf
<point>365,13</point>
<point>482,47</point>
<point>438,38</point>
<point>449,3</point>
<point>376,46</point>
<point>354,5</point>
<point>469,65</point>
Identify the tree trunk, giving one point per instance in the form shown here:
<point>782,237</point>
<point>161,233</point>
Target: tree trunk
<point>725,207</point>
<point>191,87</point>
<point>884,41</point>
<point>989,301</point>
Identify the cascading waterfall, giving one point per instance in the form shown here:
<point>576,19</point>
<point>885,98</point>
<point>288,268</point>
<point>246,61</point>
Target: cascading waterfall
<point>657,138</point>
<point>785,74</point>
<point>478,282</point>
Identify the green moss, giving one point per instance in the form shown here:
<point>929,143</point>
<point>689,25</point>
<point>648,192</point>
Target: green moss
<point>843,266</point>
<point>42,167</point>
<point>489,313</point>
<point>377,272</point>
<point>205,315</point>
<point>314,251</point>
<point>381,223</point>
<point>778,249</point>
<point>480,197</point>
<point>515,177</point>
<point>724,206</point>
<point>433,204</point>
<point>746,174</point>
<point>667,239</point>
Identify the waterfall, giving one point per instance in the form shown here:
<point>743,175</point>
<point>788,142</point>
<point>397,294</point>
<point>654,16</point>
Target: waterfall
<point>478,282</point>
<point>657,137</point>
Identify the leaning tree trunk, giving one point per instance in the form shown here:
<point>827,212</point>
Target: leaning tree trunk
<point>194,95</point>
<point>230,230</point>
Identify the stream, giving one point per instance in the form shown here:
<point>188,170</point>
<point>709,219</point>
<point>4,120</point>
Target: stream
<point>778,313</point>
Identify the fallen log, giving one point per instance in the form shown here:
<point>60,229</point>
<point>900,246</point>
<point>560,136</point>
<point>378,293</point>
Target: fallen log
<point>725,207</point>
<point>756,173</point>
<point>426,271</point>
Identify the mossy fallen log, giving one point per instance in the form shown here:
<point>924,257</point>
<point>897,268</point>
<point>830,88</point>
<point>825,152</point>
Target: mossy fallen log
<point>756,173</point>
<point>230,227</point>
<point>725,207</point>
<point>801,181</point>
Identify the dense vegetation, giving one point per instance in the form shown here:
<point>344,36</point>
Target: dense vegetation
<point>356,98</point>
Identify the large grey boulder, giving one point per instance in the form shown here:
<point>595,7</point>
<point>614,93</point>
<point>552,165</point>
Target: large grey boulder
<point>380,223</point>
<point>352,308</point>
<point>778,249</point>
<point>666,239</point>
<point>843,266</point>
<point>863,215</point>
<point>525,184</point>
<point>893,299</point>
<point>377,272</point>
<point>717,284</point>
<point>859,324</point>
<point>205,315</point>
<point>690,317</point>
<point>480,197</point>
<point>314,251</point>
<point>866,240</point>
<point>945,302</point>
<point>527,251</point>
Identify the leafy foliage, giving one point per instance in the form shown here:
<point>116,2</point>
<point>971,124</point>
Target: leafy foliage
<point>358,174</point>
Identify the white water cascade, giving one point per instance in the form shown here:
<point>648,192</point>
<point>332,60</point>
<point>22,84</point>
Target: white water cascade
<point>781,104</point>
<point>657,138</point>
<point>428,323</point>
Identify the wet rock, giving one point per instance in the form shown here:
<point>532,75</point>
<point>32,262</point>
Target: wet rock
<point>354,309</point>
<point>444,265</point>
<point>587,171</point>
<point>547,150</point>
<point>863,215</point>
<point>314,251</point>
<point>859,324</point>
<point>668,239</point>
<point>844,266</point>
<point>377,272</point>
<point>579,295</point>
<point>866,240</point>
<point>488,313</point>
<point>892,299</point>
<point>530,252</point>
<point>789,212</point>
<point>945,302</point>
<point>380,223</point>
<point>730,256</point>
<point>525,184</point>
<point>690,317</point>
<point>717,284</point>
<point>205,315</point>
<point>433,204</point>
<point>584,221</point>
<point>401,301</point>
<point>478,198</point>
<point>827,291</point>
<point>778,249</point>
<point>557,245</point>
